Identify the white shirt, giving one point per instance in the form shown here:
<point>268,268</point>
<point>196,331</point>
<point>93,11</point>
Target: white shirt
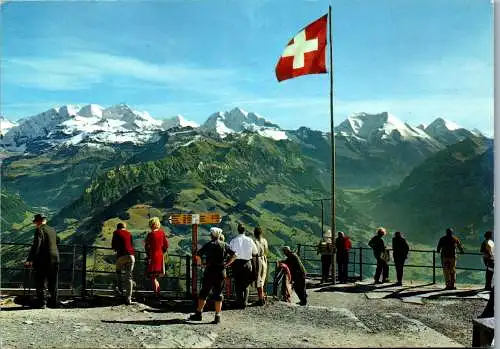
<point>244,247</point>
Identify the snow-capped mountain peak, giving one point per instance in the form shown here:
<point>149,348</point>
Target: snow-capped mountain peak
<point>72,124</point>
<point>377,126</point>
<point>178,121</point>
<point>447,132</point>
<point>442,124</point>
<point>91,110</point>
<point>6,125</point>
<point>238,120</point>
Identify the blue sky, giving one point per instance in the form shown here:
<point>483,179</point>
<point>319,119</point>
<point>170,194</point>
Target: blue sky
<point>417,59</point>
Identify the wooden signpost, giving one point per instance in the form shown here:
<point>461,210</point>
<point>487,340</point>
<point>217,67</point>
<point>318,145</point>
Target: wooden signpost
<point>194,220</point>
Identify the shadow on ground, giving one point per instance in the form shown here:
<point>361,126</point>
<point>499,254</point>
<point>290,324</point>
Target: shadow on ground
<point>154,322</point>
<point>403,291</point>
<point>354,288</point>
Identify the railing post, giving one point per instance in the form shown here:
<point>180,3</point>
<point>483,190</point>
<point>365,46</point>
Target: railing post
<point>433,266</point>
<point>84,271</point>
<point>188,276</point>
<point>361,264</point>
<point>298,250</point>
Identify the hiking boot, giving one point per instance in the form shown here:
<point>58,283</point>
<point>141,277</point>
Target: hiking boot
<point>376,282</point>
<point>398,283</point>
<point>302,303</point>
<point>195,317</point>
<point>216,319</point>
<point>386,281</point>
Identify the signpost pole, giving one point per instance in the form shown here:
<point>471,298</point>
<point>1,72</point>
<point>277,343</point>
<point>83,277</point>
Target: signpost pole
<point>194,248</point>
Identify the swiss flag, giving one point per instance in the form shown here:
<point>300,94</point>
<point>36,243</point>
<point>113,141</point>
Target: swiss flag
<point>305,53</point>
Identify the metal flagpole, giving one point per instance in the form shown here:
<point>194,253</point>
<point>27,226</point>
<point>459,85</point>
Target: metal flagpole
<point>334,272</point>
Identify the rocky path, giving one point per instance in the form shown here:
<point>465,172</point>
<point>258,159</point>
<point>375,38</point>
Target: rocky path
<point>333,319</point>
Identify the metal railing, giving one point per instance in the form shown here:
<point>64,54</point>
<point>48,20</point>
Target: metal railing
<point>362,263</point>
<point>85,269</point>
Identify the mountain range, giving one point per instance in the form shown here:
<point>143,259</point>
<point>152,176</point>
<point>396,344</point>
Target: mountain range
<point>88,167</point>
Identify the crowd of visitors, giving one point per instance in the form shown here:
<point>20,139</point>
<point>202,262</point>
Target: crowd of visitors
<point>248,259</point>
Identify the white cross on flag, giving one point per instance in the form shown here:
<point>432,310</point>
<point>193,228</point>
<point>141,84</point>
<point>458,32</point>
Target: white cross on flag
<point>305,53</point>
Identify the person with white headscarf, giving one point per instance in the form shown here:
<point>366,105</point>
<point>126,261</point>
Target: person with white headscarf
<point>217,253</point>
<point>325,248</point>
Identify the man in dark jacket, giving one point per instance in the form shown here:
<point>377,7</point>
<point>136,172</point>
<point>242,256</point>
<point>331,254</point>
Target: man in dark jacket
<point>379,252</point>
<point>400,250</point>
<point>447,246</point>
<point>44,258</point>
<point>298,274</point>
<point>122,242</point>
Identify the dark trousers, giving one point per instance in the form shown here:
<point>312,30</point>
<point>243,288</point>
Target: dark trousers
<point>343,262</point>
<point>489,272</point>
<point>382,269</point>
<point>399,264</point>
<point>242,274</point>
<point>50,273</point>
<point>326,262</point>
<point>299,286</point>
<point>214,279</point>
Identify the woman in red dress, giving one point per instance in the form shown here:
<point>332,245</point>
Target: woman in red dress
<point>156,245</point>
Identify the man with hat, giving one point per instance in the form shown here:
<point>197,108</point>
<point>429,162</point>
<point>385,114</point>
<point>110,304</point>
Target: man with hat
<point>44,258</point>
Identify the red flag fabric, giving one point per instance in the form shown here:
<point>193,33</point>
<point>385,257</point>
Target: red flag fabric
<point>305,53</point>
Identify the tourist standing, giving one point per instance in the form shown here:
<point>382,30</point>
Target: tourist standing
<point>488,251</point>
<point>298,273</point>
<point>342,246</point>
<point>263,251</point>
<point>44,258</point>
<point>216,252</point>
<point>242,269</point>
<point>325,248</point>
<point>400,251</point>
<point>447,246</point>
<point>123,245</point>
<point>156,245</point>
<point>380,253</point>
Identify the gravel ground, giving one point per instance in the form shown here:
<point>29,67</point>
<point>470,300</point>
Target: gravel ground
<point>332,319</point>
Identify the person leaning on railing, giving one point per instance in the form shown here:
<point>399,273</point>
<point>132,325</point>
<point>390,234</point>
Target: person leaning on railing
<point>447,246</point>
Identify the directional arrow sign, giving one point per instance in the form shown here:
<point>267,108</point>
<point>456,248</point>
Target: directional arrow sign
<point>180,219</point>
<point>210,218</point>
<point>189,219</point>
